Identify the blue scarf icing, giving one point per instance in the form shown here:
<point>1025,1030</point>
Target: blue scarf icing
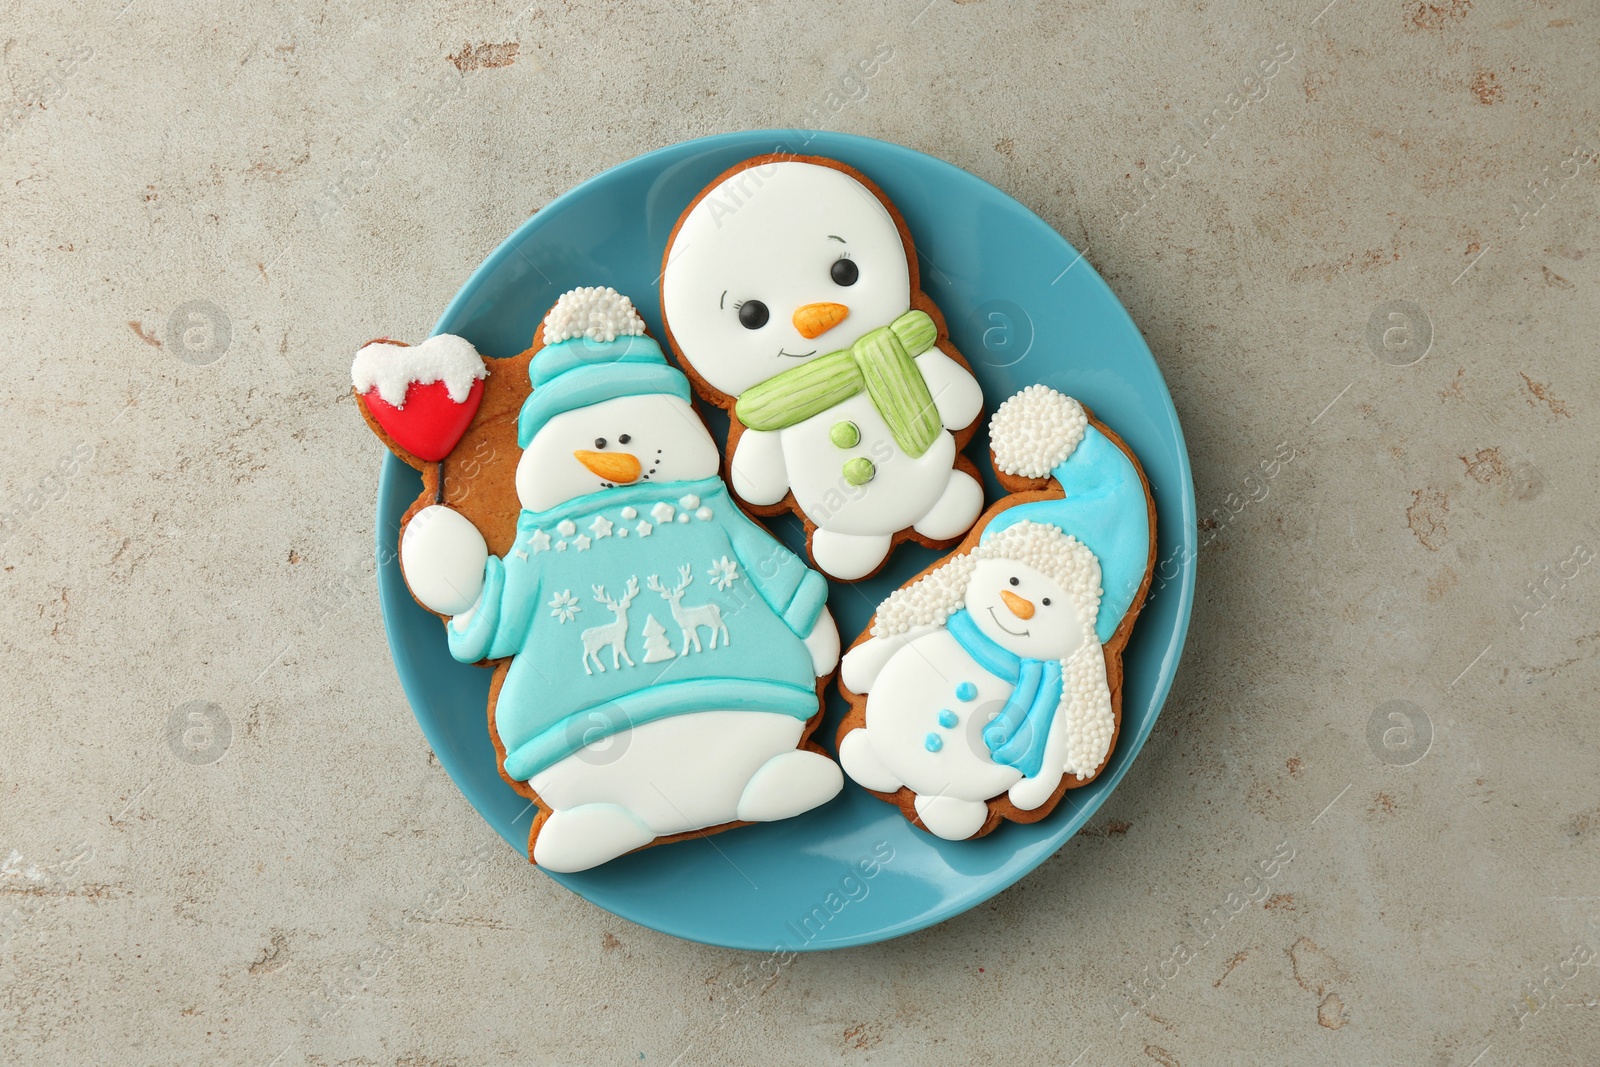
<point>1016,737</point>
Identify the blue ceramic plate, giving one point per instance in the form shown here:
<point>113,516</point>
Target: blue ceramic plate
<point>1024,307</point>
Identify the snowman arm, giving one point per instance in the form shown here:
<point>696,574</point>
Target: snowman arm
<point>496,626</point>
<point>472,632</point>
<point>1080,731</point>
<point>859,669</point>
<point>1029,793</point>
<point>956,392</point>
<point>794,591</point>
<point>757,470</point>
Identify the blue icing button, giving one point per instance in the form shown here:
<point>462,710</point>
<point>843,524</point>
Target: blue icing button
<point>966,691</point>
<point>933,742</point>
<point>947,718</point>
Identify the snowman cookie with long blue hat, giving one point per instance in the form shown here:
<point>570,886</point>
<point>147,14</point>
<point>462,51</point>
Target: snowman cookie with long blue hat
<point>791,293</point>
<point>990,684</point>
<point>665,653</point>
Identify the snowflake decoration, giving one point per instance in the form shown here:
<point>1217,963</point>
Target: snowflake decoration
<point>723,573</point>
<point>564,606</point>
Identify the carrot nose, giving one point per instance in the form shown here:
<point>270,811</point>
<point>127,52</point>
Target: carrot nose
<point>813,320</point>
<point>619,467</point>
<point>1022,609</point>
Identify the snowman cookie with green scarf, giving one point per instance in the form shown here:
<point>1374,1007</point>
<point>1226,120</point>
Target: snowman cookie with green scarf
<point>791,293</point>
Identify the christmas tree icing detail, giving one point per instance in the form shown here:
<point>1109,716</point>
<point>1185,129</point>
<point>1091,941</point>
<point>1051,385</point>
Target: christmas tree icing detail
<point>657,649</point>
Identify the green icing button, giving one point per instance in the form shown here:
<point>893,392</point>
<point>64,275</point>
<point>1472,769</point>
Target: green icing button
<point>845,435</point>
<point>859,471</point>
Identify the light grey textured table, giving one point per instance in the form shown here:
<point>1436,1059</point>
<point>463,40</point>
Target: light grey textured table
<point>223,837</point>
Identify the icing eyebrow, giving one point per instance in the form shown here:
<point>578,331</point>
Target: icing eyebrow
<point>832,237</point>
<point>723,302</point>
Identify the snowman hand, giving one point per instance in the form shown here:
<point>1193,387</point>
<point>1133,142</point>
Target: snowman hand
<point>862,664</point>
<point>442,556</point>
<point>823,644</point>
<point>757,470</point>
<point>1029,793</point>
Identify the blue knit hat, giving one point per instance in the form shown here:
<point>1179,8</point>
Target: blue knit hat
<point>580,372</point>
<point>595,349</point>
<point>1040,432</point>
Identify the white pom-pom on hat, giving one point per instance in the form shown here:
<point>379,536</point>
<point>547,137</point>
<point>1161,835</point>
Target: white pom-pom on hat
<point>600,314</point>
<point>1035,431</point>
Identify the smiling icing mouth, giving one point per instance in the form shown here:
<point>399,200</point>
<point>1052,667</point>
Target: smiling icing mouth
<point>796,355</point>
<point>997,622</point>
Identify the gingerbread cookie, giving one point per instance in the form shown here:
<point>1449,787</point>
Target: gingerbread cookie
<point>791,293</point>
<point>659,655</point>
<point>990,684</point>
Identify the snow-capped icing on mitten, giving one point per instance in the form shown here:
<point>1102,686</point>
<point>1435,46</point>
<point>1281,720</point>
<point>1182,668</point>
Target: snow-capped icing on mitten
<point>423,396</point>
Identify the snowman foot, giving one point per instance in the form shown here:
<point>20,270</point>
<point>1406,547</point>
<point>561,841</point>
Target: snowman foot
<point>576,839</point>
<point>860,761</point>
<point>788,784</point>
<point>950,817</point>
<point>851,556</point>
<point>955,511</point>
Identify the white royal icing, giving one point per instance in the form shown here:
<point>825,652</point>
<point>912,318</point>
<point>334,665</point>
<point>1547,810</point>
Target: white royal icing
<point>930,599</point>
<point>1035,431</point>
<point>442,556</point>
<point>664,435</point>
<point>928,698</point>
<point>673,775</point>
<point>391,368</point>
<point>592,312</point>
<point>772,233</point>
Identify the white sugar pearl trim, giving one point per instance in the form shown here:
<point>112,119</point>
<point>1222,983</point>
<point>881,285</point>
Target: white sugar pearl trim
<point>1035,431</point>
<point>592,312</point>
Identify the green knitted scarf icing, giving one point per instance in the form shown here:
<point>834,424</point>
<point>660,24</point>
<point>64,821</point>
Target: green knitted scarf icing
<point>882,362</point>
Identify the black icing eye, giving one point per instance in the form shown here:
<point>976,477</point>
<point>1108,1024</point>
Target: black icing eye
<point>1045,601</point>
<point>844,271</point>
<point>624,439</point>
<point>753,314</point>
<point>599,442</point>
<point>1015,582</point>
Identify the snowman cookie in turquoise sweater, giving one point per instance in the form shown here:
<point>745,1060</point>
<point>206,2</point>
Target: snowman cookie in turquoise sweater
<point>665,650</point>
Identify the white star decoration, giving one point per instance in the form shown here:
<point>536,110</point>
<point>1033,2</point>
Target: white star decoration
<point>581,542</point>
<point>563,606</point>
<point>561,546</point>
<point>662,512</point>
<point>643,528</point>
<point>600,527</point>
<point>539,541</point>
<point>723,573</point>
